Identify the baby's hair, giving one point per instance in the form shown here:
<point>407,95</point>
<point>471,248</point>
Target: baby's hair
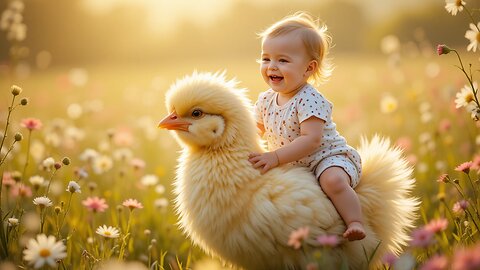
<point>315,37</point>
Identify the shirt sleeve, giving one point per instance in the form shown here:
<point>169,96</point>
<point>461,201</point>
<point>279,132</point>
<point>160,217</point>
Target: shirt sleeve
<point>258,108</point>
<point>314,104</point>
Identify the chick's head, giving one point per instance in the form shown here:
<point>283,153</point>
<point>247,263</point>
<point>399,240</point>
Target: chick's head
<point>208,111</point>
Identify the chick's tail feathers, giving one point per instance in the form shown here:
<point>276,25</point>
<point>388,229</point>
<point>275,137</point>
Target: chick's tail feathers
<point>384,193</point>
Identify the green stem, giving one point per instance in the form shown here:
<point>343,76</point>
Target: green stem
<point>125,238</point>
<point>28,153</point>
<point>8,152</point>
<point>50,182</point>
<point>473,219</point>
<point>470,81</point>
<point>471,17</point>
<point>42,218</point>
<point>10,109</point>
<point>66,212</point>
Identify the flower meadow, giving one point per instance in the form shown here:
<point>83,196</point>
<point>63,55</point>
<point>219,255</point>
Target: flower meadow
<point>85,176</point>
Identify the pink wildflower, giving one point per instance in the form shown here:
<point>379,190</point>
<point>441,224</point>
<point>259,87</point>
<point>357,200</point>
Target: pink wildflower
<point>328,240</point>
<point>389,259</point>
<point>476,163</point>
<point>405,143</point>
<point>132,204</point>
<point>7,180</point>
<point>460,207</point>
<point>464,167</point>
<point>443,49</point>
<point>422,237</point>
<point>467,258</point>
<point>95,204</point>
<point>21,190</point>
<point>444,125</point>
<point>437,262</point>
<point>443,178</point>
<point>31,123</point>
<point>137,164</point>
<point>437,225</point>
<point>297,236</point>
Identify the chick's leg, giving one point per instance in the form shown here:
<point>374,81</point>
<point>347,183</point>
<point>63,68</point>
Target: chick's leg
<point>335,183</point>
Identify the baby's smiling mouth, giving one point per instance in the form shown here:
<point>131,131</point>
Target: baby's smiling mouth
<point>275,78</point>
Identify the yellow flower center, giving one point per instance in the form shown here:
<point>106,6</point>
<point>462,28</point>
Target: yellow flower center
<point>107,233</point>
<point>458,3</point>
<point>469,98</point>
<point>45,253</point>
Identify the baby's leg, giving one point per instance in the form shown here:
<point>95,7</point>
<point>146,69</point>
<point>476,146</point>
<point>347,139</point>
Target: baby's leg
<point>335,183</point>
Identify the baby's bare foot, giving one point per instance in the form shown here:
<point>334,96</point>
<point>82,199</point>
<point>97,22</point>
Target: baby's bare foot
<point>355,231</point>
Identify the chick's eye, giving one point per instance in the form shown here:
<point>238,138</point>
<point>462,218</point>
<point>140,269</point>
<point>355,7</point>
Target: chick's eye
<point>197,113</point>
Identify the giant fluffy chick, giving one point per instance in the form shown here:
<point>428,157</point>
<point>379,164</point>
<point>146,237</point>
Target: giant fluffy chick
<point>245,218</point>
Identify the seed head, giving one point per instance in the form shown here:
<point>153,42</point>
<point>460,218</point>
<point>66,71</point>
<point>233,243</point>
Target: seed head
<point>24,101</point>
<point>57,165</point>
<point>66,161</point>
<point>16,90</point>
<point>18,137</point>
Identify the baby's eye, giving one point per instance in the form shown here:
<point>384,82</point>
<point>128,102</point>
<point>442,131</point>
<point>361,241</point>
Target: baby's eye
<point>265,59</point>
<point>283,60</point>
<point>197,113</point>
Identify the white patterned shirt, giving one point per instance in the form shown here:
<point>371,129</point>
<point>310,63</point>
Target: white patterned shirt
<point>282,124</point>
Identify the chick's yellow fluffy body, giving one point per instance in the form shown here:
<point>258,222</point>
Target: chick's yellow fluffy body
<point>233,212</point>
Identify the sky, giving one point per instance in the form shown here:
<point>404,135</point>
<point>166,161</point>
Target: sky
<point>205,12</point>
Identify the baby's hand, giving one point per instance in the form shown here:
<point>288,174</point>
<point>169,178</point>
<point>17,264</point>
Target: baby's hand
<point>267,160</point>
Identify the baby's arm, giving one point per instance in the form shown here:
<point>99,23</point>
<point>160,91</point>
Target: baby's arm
<point>311,131</point>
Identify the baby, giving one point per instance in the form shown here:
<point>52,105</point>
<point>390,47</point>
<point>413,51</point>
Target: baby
<point>296,119</point>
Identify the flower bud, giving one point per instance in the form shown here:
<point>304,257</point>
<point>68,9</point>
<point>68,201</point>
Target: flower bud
<point>66,161</point>
<point>153,241</point>
<point>456,181</point>
<point>57,165</point>
<point>18,137</point>
<point>17,176</point>
<point>147,232</point>
<point>57,209</point>
<point>443,49</point>
<point>16,90</point>
<point>24,101</point>
<point>119,208</point>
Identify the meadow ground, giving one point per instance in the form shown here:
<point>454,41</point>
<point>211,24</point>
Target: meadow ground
<point>104,118</point>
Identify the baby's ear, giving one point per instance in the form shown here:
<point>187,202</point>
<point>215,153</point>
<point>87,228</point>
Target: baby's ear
<point>312,66</point>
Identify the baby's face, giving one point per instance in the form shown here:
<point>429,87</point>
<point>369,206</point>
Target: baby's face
<point>285,63</point>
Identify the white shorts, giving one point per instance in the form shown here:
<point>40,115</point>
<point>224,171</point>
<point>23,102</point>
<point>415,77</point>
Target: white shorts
<point>341,161</point>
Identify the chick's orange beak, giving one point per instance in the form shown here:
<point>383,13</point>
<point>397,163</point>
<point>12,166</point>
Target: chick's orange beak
<point>174,122</point>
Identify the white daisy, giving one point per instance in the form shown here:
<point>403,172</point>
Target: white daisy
<point>465,97</point>
<point>12,222</point>
<point>36,180</point>
<point>42,202</point>
<point>44,250</point>
<point>454,6</point>
<point>149,180</point>
<point>388,104</point>
<point>73,187</point>
<point>108,232</point>
<point>88,155</point>
<point>474,36</point>
<point>161,203</point>
<point>48,163</point>
<point>102,164</point>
